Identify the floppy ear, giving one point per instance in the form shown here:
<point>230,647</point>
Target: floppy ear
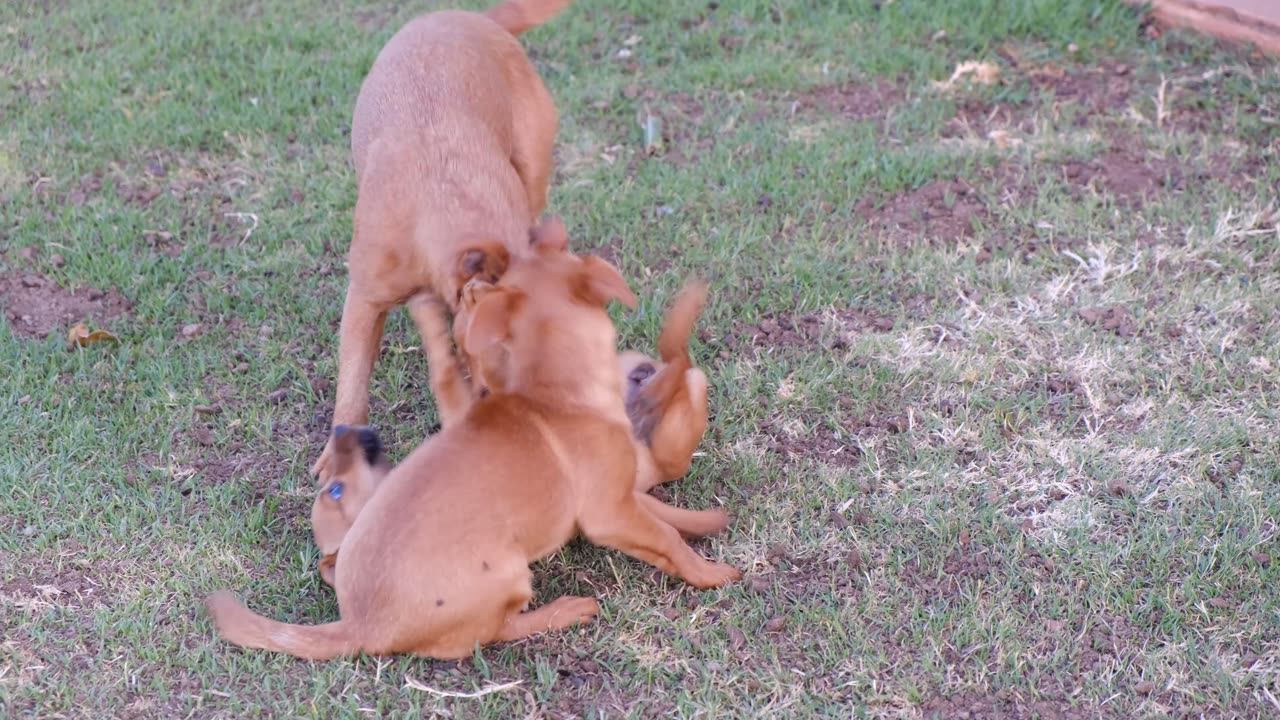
<point>354,441</point>
<point>491,320</point>
<point>485,261</point>
<point>368,440</point>
<point>549,234</point>
<point>599,282</point>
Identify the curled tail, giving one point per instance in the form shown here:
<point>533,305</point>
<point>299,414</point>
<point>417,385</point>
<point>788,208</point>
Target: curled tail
<point>240,625</point>
<point>673,347</point>
<point>521,16</point>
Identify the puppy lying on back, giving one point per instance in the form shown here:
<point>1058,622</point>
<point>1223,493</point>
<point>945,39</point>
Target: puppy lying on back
<point>437,560</point>
<point>666,403</point>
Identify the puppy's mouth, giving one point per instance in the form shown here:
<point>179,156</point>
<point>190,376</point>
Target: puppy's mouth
<point>639,377</point>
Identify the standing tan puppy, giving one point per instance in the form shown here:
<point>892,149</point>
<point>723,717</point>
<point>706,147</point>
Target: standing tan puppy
<point>452,139</point>
<point>437,561</point>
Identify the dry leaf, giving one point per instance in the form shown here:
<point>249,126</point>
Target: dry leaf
<point>81,336</point>
<point>983,73</point>
<point>1004,139</point>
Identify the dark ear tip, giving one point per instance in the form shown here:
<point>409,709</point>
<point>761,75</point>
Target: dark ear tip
<point>370,443</point>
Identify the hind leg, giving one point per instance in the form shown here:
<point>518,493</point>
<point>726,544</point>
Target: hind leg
<point>535,122</point>
<point>558,614</point>
<point>627,525</point>
<point>689,523</point>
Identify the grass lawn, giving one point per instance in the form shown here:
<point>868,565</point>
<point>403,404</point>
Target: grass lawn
<point>996,366</point>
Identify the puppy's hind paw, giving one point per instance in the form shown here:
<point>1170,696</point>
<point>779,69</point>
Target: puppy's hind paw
<point>714,575</point>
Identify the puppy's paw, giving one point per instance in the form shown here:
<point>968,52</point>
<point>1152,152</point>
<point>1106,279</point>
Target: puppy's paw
<point>322,468</point>
<point>714,575</point>
<point>576,610</point>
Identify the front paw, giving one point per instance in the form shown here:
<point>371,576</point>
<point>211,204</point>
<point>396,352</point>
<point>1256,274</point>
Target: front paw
<point>322,468</point>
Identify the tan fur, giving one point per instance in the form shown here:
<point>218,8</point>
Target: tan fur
<point>451,139</point>
<point>671,415</point>
<point>437,560</point>
<point>668,409</point>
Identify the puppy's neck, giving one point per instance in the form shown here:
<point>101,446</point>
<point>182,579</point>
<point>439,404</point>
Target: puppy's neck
<point>587,382</point>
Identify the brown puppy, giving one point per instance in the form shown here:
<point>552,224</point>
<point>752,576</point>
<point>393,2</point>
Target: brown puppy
<point>667,402</point>
<point>671,416</point>
<point>451,139</point>
<point>438,559</point>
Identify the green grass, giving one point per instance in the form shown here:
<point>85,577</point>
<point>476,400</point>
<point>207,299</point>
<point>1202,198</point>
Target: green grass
<point>1049,516</point>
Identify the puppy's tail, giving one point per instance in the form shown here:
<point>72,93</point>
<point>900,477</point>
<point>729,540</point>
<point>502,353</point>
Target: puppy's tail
<point>521,16</point>
<point>240,625</point>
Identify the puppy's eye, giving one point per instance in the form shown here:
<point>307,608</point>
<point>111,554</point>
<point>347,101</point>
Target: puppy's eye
<point>335,491</point>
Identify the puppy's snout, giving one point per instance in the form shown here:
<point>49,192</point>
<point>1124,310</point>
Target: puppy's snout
<point>640,373</point>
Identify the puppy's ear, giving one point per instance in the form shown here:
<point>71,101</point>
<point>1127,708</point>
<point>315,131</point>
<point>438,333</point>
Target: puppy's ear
<point>491,320</point>
<point>352,443</point>
<point>599,282</point>
<point>549,234</point>
<point>485,261</point>
<point>367,439</point>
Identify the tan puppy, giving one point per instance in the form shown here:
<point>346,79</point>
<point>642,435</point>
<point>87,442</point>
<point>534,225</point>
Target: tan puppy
<point>437,561</point>
<point>668,418</point>
<point>451,139</point>
<point>667,401</point>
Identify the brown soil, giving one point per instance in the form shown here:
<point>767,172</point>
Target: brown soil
<point>852,101</point>
<point>1124,174</point>
<point>784,330</point>
<point>1114,319</point>
<point>1003,705</point>
<point>35,306</point>
<point>937,212</point>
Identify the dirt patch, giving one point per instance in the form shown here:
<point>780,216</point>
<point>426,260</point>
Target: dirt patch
<point>1003,705</point>
<point>784,330</point>
<point>1114,319</point>
<point>35,306</point>
<point>938,211</point>
<point>841,447</point>
<point>1124,175</point>
<point>1084,93</point>
<point>824,444</point>
<point>1093,91</point>
<point>850,101</point>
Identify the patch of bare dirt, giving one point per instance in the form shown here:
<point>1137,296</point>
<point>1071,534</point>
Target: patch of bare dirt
<point>1124,174</point>
<point>35,306</point>
<point>969,563</point>
<point>784,330</point>
<point>836,447</point>
<point>1099,90</point>
<point>850,101</point>
<point>1002,705</point>
<point>938,211</point>
<point>824,444</point>
<point>1114,319</point>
